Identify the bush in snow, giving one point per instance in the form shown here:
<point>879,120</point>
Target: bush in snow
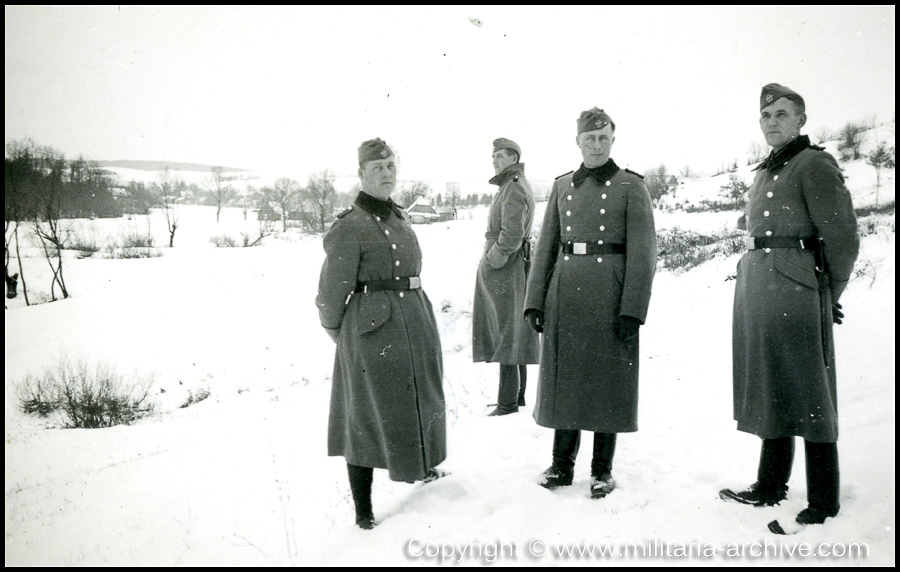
<point>223,241</point>
<point>197,397</point>
<point>87,397</point>
<point>683,249</point>
<point>131,245</point>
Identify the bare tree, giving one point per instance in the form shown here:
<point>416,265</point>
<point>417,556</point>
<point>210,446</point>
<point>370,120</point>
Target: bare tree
<point>409,192</point>
<point>880,157</point>
<point>756,152</point>
<point>687,172</point>
<point>219,189</point>
<point>320,197</point>
<point>50,198</point>
<point>823,134</point>
<point>658,182</point>
<point>452,196</point>
<point>284,194</point>
<point>169,191</point>
<point>851,138</point>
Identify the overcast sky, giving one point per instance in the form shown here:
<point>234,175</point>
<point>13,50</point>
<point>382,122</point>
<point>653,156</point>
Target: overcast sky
<point>296,89</point>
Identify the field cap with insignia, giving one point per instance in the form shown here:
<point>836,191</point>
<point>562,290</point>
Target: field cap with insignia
<point>773,92</point>
<point>594,119</point>
<point>503,143</point>
<point>374,149</point>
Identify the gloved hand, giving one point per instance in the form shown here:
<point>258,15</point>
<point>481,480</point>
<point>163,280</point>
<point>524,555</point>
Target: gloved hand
<point>333,333</point>
<point>627,328</point>
<point>836,313</point>
<point>535,319</point>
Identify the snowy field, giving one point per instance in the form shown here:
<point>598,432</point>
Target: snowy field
<point>243,478</point>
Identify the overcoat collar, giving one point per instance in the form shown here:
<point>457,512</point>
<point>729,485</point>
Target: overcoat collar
<point>601,174</point>
<point>506,174</point>
<point>787,153</point>
<point>377,206</point>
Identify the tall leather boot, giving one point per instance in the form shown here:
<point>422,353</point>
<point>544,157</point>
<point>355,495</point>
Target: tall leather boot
<point>823,479</point>
<point>823,483</point>
<point>565,450</point>
<point>361,489</point>
<point>509,391</point>
<point>523,378</point>
<point>770,488</point>
<point>602,482</point>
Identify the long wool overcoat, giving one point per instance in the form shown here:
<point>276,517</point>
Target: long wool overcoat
<point>588,377</point>
<point>783,351</point>
<point>387,400</point>
<point>499,332</point>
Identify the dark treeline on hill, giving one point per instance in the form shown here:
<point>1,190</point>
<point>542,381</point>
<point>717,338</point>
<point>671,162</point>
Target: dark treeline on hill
<point>41,184</point>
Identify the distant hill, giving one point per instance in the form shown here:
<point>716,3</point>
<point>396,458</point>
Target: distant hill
<point>161,165</point>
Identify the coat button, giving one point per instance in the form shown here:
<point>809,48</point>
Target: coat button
<point>568,228</point>
<point>401,294</point>
<point>768,233</point>
<point>599,259</point>
<point>378,218</point>
<point>568,213</point>
<point>776,178</point>
<point>602,211</point>
<point>566,257</point>
<point>569,198</point>
<point>608,183</point>
<point>394,246</point>
<point>603,196</point>
<point>768,250</point>
<point>599,242</point>
<point>770,194</point>
<point>602,228</point>
<point>572,184</point>
<point>766,213</point>
<point>397,263</point>
<point>386,231</point>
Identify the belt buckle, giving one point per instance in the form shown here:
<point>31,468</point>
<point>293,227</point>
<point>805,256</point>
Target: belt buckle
<point>415,282</point>
<point>750,242</point>
<point>579,248</point>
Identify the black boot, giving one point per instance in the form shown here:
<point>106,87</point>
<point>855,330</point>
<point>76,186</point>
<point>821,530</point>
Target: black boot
<point>509,391</point>
<point>823,485</point>
<point>565,449</point>
<point>523,375</point>
<point>361,489</point>
<point>602,482</point>
<point>770,488</point>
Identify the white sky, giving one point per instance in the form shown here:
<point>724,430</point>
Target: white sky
<point>296,89</point>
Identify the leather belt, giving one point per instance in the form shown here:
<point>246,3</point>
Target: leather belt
<point>410,283</point>
<point>592,248</point>
<point>756,242</point>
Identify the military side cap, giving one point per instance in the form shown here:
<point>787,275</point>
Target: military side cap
<point>374,149</point>
<point>594,119</point>
<point>503,143</point>
<point>773,92</point>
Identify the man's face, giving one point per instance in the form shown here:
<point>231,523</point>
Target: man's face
<point>502,158</point>
<point>379,177</point>
<point>780,122</point>
<point>596,146</point>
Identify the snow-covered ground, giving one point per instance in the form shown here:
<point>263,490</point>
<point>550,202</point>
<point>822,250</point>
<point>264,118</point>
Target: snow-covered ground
<point>243,478</point>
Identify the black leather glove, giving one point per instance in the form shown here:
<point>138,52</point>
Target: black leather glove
<point>836,313</point>
<point>535,319</point>
<point>627,328</point>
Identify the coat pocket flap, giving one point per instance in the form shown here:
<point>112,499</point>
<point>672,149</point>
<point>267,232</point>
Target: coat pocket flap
<point>374,311</point>
<point>796,270</point>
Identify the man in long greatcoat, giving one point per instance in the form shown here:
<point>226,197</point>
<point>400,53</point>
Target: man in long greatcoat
<point>588,291</point>
<point>387,400</point>
<point>802,245</point>
<point>499,334</point>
